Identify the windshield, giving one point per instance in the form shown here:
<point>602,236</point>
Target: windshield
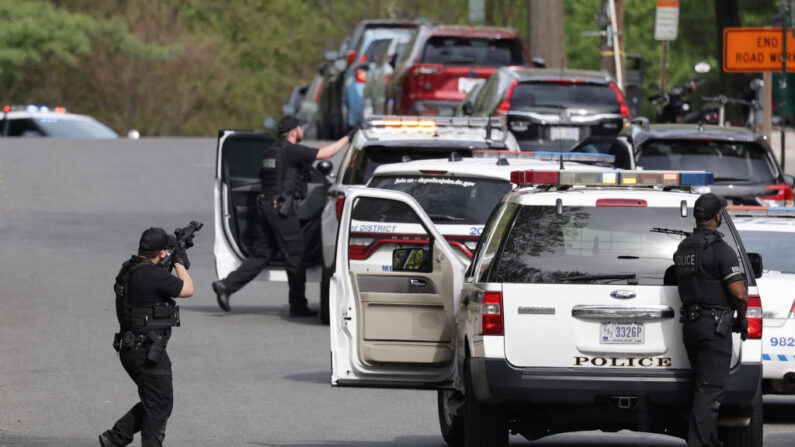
<point>564,94</point>
<point>473,51</point>
<point>447,199</point>
<point>75,128</point>
<point>593,245</point>
<point>729,161</point>
<point>775,247</point>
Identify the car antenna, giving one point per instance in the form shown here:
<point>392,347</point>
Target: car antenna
<point>502,162</point>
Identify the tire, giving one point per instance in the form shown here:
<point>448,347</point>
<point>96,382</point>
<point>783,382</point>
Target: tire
<point>325,284</point>
<point>484,425</point>
<point>452,427</point>
<point>750,436</point>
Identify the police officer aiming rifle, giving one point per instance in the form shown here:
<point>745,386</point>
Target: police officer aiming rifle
<point>712,287</point>
<point>146,313</point>
<point>284,185</point>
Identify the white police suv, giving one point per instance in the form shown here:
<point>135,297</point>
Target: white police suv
<point>394,139</point>
<point>563,320</point>
<point>56,122</point>
<point>770,231</point>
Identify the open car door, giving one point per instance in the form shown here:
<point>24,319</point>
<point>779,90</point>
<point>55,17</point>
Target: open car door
<point>237,184</point>
<point>393,295</point>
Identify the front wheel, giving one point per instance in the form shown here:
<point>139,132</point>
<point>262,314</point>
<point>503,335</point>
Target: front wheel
<point>452,425</point>
<point>484,425</point>
<point>325,285</point>
<point>750,436</point>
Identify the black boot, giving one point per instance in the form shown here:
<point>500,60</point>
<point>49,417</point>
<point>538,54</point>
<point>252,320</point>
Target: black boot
<point>222,295</point>
<point>304,311</point>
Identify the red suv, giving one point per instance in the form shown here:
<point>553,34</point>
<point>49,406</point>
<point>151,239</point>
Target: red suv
<point>442,63</point>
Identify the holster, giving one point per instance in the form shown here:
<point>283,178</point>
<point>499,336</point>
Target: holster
<point>156,347</point>
<point>126,340</point>
<point>723,323</point>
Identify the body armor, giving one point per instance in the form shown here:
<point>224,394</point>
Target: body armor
<point>141,318</point>
<point>269,171</point>
<point>696,284</point>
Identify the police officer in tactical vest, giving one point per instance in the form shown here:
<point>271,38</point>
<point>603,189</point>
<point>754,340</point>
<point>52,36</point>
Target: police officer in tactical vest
<point>712,287</point>
<point>284,185</point>
<point>146,313</point>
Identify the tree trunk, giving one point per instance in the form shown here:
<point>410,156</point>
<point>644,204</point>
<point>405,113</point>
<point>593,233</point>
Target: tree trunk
<point>727,14</point>
<point>546,26</point>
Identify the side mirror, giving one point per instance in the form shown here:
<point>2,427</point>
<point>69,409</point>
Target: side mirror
<point>269,123</point>
<point>288,109</point>
<point>411,260</point>
<point>756,264</point>
<point>133,134</point>
<point>331,55</point>
<point>789,179</point>
<point>539,62</point>
<point>325,167</point>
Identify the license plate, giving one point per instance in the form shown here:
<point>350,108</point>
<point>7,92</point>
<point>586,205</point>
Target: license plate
<point>564,133</point>
<point>467,84</point>
<point>621,333</point>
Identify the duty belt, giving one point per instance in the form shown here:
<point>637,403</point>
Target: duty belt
<point>696,311</point>
<point>269,199</point>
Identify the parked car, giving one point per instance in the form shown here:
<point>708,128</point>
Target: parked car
<point>394,139</point>
<point>563,321</point>
<point>378,77</point>
<point>770,231</point>
<point>442,63</point>
<point>331,116</point>
<point>746,172</point>
<point>356,78</point>
<point>545,106</point>
<point>41,121</point>
<point>307,111</point>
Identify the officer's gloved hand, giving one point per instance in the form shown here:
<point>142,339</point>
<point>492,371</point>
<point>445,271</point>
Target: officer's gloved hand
<point>741,326</point>
<point>353,131</point>
<point>181,257</point>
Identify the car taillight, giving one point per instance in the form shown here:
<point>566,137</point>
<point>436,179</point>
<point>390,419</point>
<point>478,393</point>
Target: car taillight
<point>340,202</point>
<point>362,245</point>
<point>491,313</point>
<point>622,105</point>
<point>419,70</point>
<point>505,105</point>
<point>792,310</point>
<point>317,92</point>
<point>351,57</point>
<point>361,76</point>
<point>754,316</point>
<point>783,196</point>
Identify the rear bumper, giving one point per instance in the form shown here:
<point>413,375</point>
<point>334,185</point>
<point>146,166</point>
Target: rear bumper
<point>496,381</point>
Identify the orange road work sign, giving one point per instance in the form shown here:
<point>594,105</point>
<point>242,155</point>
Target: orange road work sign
<point>754,50</point>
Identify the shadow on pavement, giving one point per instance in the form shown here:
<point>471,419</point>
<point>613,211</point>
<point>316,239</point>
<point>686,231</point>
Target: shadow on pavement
<point>33,441</point>
<point>414,441</point>
<point>323,377</point>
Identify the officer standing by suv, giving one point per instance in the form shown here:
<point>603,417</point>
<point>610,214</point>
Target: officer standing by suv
<point>146,313</point>
<point>284,185</point>
<point>712,286</point>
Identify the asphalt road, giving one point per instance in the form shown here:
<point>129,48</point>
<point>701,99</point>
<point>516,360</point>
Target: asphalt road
<point>71,212</point>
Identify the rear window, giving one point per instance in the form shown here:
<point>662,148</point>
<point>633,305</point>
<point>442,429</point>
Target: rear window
<point>449,200</point>
<point>775,247</point>
<point>543,247</point>
<point>730,161</point>
<point>554,94</point>
<point>473,51</point>
<point>363,163</point>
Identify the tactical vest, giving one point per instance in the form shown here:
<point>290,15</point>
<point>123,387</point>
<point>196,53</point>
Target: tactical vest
<point>696,284</point>
<point>141,318</point>
<point>292,181</point>
<point>269,171</point>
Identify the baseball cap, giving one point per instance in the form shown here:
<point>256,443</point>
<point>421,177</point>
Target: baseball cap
<point>288,123</point>
<point>155,238</point>
<point>708,205</point>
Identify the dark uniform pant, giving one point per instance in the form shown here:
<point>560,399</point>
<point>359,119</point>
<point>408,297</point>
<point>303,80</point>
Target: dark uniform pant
<point>149,416</point>
<point>710,357</point>
<point>281,233</point>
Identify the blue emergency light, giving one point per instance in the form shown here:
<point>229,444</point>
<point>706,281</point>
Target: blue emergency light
<point>612,178</point>
<point>761,211</point>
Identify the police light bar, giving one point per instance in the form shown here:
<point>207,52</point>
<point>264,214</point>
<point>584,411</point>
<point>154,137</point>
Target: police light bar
<point>414,123</point>
<point>611,178</point>
<point>588,157</point>
<point>761,211</point>
<point>32,108</point>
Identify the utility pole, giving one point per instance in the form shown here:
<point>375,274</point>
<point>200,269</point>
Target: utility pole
<point>785,19</point>
<point>613,42</point>
<point>546,31</point>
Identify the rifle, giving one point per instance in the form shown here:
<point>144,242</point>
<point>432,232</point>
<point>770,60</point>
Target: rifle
<point>182,239</point>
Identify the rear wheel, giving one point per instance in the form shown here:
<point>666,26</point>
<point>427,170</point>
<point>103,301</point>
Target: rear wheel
<point>325,284</point>
<point>452,425</point>
<point>750,436</point>
<point>484,425</point>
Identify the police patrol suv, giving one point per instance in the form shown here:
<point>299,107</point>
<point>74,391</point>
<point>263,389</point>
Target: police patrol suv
<point>770,231</point>
<point>563,320</point>
<point>393,139</point>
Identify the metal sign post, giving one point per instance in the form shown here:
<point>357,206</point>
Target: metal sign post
<point>783,85</point>
<point>666,26</point>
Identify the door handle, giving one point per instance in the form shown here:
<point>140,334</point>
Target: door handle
<point>418,282</point>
